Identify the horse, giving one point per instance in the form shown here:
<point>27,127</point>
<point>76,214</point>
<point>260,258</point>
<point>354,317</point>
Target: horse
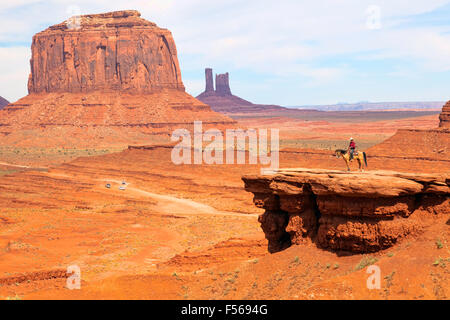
<point>360,156</point>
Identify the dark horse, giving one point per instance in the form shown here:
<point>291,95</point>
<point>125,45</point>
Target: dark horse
<point>360,156</point>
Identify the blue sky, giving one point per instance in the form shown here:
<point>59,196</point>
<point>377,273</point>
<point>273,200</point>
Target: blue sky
<point>287,52</point>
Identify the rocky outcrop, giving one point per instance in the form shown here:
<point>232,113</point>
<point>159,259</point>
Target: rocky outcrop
<point>209,80</point>
<point>445,116</point>
<point>222,100</point>
<point>364,212</point>
<point>111,51</point>
<point>223,84</point>
<point>3,102</point>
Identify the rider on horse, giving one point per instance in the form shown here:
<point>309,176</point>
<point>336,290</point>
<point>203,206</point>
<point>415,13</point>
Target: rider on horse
<point>350,154</point>
<point>352,148</point>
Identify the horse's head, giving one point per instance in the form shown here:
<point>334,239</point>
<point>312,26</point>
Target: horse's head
<point>338,153</point>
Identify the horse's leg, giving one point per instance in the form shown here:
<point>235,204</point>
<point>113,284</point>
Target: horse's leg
<point>347,162</point>
<point>360,164</point>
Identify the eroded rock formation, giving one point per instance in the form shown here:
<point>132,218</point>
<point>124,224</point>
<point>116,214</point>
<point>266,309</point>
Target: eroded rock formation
<point>209,80</point>
<point>111,51</point>
<point>445,116</point>
<point>222,100</point>
<point>223,84</point>
<point>364,212</point>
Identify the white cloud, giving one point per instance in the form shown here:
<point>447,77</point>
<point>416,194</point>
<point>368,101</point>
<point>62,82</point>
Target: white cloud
<point>194,86</point>
<point>5,5</point>
<point>14,71</point>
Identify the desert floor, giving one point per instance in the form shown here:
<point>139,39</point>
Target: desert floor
<point>191,232</point>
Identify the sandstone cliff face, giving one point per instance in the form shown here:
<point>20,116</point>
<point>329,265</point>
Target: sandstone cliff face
<point>341,211</point>
<point>445,116</point>
<point>108,52</point>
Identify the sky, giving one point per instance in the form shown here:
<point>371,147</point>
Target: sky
<point>285,52</point>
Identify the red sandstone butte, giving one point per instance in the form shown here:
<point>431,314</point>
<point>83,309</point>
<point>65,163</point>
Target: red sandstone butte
<point>222,100</point>
<point>110,79</point>
<point>110,51</point>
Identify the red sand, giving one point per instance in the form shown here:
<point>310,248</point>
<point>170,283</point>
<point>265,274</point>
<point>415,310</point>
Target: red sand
<point>179,232</point>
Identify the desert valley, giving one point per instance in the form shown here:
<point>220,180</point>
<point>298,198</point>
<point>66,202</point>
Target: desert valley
<point>87,180</point>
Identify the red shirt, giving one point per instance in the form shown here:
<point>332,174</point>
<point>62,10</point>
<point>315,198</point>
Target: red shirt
<point>352,145</point>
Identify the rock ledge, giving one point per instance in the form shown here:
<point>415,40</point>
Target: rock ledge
<point>357,212</point>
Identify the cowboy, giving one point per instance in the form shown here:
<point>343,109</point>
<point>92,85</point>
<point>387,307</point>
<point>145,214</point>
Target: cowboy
<point>352,148</point>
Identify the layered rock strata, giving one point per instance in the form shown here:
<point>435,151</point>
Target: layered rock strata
<point>107,52</point>
<point>339,211</point>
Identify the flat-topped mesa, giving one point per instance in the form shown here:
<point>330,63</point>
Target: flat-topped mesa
<point>116,51</point>
<point>445,116</point>
<point>363,212</point>
<point>116,19</point>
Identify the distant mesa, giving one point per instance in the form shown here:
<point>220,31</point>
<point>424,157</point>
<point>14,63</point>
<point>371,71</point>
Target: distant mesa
<point>220,95</point>
<point>445,116</point>
<point>111,78</point>
<point>380,106</point>
<point>222,100</point>
<point>3,102</point>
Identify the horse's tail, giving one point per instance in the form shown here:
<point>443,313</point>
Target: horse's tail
<point>365,158</point>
